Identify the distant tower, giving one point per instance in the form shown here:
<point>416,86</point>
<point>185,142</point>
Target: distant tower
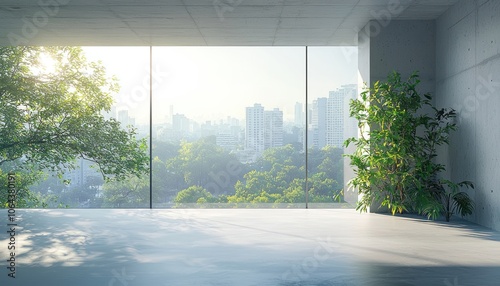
<point>340,125</point>
<point>335,119</point>
<point>254,131</point>
<point>180,123</point>
<point>330,121</point>
<point>319,123</point>
<point>123,118</point>
<point>299,114</point>
<point>111,113</point>
<point>264,129</point>
<point>273,128</point>
<point>170,114</point>
<point>350,123</point>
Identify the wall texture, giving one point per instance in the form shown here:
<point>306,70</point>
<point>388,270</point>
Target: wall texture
<point>404,46</point>
<point>468,79</point>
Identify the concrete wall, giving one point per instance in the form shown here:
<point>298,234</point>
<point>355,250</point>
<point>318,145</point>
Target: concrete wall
<point>468,79</point>
<point>458,57</point>
<point>403,46</point>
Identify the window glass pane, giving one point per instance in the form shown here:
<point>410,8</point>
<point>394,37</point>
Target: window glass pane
<point>84,186</point>
<point>332,82</point>
<point>228,128</point>
<point>225,130</point>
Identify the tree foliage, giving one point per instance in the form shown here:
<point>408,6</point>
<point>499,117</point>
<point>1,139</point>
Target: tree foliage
<point>132,192</point>
<point>51,104</point>
<point>203,163</point>
<point>276,178</point>
<point>25,198</point>
<point>51,115</point>
<point>193,194</point>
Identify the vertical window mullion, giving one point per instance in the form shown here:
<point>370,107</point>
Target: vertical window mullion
<point>150,127</point>
<point>306,139</point>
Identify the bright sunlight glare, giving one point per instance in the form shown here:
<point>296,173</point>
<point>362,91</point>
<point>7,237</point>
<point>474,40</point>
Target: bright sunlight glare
<point>46,65</point>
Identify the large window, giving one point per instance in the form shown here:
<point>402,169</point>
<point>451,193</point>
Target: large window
<point>229,127</point>
<point>332,83</point>
<point>84,186</point>
<point>225,130</point>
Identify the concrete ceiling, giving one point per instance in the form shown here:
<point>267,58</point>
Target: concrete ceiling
<point>202,22</point>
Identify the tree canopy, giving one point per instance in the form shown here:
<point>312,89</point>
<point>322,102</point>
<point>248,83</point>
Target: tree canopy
<point>52,101</point>
<point>203,173</point>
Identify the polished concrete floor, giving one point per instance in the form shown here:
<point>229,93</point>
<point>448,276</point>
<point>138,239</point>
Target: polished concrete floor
<point>246,247</point>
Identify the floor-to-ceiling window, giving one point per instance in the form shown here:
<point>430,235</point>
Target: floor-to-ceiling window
<point>84,186</point>
<point>225,129</point>
<point>332,83</point>
<point>229,126</point>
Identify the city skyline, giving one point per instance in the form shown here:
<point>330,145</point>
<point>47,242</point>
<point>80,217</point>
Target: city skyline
<point>204,83</point>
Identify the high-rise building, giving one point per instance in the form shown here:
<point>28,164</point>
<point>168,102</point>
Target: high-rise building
<point>229,134</point>
<point>319,123</point>
<point>273,128</point>
<point>181,126</point>
<point>264,129</point>
<point>207,129</point>
<point>125,119</point>
<point>350,123</point>
<point>110,113</point>
<point>299,114</point>
<point>180,122</point>
<point>254,131</point>
<point>335,118</point>
<point>330,121</point>
<point>226,141</point>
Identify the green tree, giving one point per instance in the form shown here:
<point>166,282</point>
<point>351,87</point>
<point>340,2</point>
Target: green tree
<point>131,192</point>
<point>329,160</point>
<point>193,194</point>
<point>279,177</point>
<point>25,198</point>
<point>254,183</point>
<point>165,150</point>
<point>203,163</point>
<point>51,100</point>
<point>289,155</point>
<point>323,188</point>
<point>274,175</point>
<point>295,192</point>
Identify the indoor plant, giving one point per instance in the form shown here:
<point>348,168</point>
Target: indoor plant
<point>395,156</point>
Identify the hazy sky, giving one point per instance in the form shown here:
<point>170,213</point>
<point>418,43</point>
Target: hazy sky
<point>212,83</point>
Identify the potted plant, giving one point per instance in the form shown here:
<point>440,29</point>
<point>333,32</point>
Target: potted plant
<point>394,159</point>
<point>449,200</point>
